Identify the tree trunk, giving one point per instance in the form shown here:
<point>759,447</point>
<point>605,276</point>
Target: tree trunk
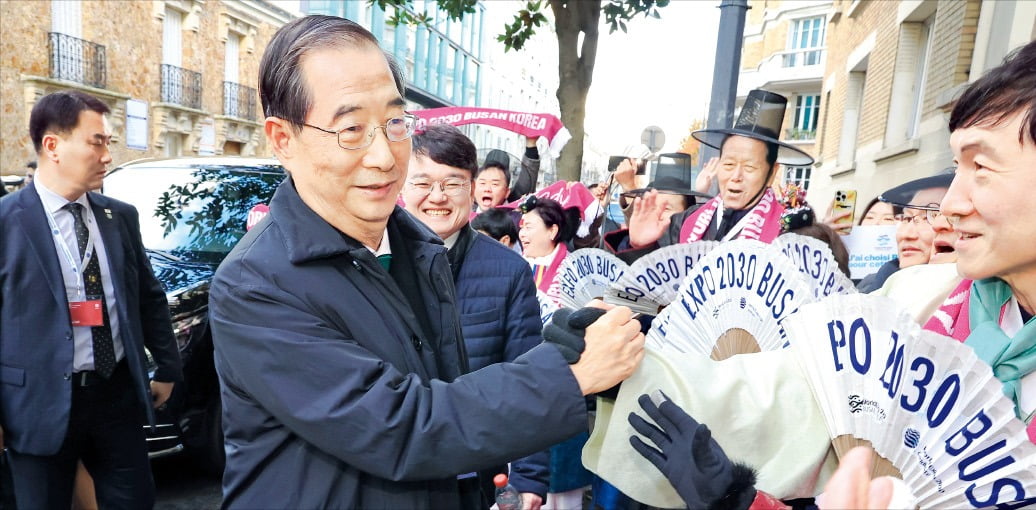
<point>575,70</point>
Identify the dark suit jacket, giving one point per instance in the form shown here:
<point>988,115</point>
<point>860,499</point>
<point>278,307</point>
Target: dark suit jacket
<point>36,344</point>
<point>330,400</point>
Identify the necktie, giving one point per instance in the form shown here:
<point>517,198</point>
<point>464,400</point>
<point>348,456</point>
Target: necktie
<point>385,261</point>
<point>103,345</point>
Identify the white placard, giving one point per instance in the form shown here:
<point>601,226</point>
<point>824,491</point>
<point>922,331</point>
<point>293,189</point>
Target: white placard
<point>869,248</point>
<point>136,124</point>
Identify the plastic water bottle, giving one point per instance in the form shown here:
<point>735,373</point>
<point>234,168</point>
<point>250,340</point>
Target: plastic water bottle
<point>507,497</point>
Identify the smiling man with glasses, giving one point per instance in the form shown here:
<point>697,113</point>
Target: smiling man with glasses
<point>343,373</point>
<point>496,296</point>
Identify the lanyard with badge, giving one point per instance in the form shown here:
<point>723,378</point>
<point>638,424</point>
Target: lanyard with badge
<point>82,310</point>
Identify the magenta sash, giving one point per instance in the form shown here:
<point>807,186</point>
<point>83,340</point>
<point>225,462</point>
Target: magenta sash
<point>762,223</point>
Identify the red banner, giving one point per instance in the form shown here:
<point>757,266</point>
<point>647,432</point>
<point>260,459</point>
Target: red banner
<point>532,125</point>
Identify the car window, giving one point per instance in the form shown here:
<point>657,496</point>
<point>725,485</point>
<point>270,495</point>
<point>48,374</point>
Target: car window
<point>197,214</point>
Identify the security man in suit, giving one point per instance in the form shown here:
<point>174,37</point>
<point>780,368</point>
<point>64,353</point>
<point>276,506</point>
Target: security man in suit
<point>78,305</point>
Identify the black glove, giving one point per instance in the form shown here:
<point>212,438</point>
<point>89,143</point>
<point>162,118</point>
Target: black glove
<point>691,459</point>
<point>568,327</point>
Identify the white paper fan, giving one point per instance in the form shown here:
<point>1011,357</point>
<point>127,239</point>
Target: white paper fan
<point>547,306</point>
<point>814,259</point>
<point>653,281</point>
<point>932,411</point>
<point>585,274</point>
<point>733,302</point>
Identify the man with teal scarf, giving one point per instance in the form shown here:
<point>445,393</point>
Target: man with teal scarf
<point>1012,358</point>
<point>991,207</point>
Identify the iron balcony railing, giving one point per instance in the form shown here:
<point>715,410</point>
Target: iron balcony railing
<point>803,57</point>
<point>181,86</point>
<point>800,134</point>
<point>74,59</point>
<point>238,100</point>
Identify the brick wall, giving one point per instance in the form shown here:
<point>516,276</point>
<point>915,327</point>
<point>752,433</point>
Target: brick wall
<point>844,34</point>
<point>953,43</point>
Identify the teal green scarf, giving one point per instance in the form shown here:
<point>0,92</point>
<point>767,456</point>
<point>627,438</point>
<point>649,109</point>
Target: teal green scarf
<point>1011,358</point>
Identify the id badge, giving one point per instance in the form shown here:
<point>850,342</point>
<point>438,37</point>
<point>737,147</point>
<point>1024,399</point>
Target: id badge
<point>86,313</point>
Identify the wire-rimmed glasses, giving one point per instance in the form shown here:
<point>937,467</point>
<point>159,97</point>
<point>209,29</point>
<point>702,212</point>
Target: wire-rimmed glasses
<point>358,137</point>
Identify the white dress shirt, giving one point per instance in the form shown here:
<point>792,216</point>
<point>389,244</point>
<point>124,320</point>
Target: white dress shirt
<point>1011,324</point>
<point>54,204</point>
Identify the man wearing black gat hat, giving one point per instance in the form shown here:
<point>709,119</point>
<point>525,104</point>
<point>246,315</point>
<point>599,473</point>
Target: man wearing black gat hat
<point>745,207</point>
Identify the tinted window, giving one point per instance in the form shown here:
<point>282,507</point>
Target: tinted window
<point>197,214</point>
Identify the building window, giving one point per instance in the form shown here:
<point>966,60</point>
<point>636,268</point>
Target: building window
<point>851,117</point>
<point>230,63</point>
<point>906,103</point>
<point>805,42</point>
<point>71,57</point>
<point>66,17</point>
<point>172,34</point>
<point>925,48</point>
<point>797,176</point>
<point>807,112</point>
<point>449,67</point>
<point>433,62</point>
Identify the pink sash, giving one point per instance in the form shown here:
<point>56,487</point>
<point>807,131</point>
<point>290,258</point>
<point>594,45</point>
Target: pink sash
<point>762,223</point>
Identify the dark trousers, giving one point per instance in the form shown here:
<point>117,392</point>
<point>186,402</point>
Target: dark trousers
<point>105,432</point>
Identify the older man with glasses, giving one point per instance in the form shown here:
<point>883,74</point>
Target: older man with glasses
<point>343,373</point>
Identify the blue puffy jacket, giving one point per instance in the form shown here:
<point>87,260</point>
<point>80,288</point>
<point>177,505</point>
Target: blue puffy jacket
<point>500,319</point>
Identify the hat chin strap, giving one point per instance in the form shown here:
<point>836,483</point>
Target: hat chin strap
<point>766,184</point>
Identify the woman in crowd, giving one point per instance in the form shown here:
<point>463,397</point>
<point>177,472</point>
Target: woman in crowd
<point>545,228</point>
<point>878,213</point>
<point>914,233</point>
<point>543,232</point>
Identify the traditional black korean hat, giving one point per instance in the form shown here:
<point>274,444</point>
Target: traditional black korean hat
<point>761,118</point>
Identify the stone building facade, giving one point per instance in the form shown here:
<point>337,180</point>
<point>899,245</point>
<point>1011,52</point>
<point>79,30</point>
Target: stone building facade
<point>892,74</point>
<point>180,76</point>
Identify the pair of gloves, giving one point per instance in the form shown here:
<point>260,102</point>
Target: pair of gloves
<point>684,450</point>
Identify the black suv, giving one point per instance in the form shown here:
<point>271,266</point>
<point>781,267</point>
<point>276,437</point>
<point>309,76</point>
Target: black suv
<point>192,212</point>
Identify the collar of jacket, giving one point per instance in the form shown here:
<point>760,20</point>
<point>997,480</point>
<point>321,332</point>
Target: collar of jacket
<point>460,249</point>
<point>308,237</point>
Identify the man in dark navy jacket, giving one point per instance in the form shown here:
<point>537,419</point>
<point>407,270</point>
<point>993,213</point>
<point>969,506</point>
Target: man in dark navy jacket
<point>337,342</point>
<point>78,305</point>
<point>496,296</point>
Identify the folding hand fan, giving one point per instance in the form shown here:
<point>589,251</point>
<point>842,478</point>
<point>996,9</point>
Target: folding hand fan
<point>814,258</point>
<point>585,274</point>
<point>933,413</point>
<point>733,301</point>
<point>653,280</point>
<point>547,306</point>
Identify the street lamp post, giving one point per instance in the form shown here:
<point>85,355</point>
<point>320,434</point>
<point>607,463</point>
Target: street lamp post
<point>725,73</point>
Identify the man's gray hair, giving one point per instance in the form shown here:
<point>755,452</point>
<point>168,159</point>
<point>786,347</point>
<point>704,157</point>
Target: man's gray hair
<point>282,88</point>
